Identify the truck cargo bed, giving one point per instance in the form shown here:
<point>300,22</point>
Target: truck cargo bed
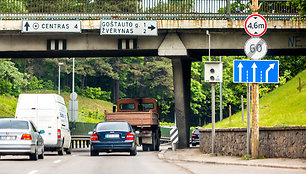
<point>139,119</point>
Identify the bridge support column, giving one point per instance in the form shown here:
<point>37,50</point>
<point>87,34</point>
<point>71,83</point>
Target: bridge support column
<point>181,79</point>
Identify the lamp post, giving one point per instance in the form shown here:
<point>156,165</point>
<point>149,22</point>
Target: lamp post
<point>59,77</point>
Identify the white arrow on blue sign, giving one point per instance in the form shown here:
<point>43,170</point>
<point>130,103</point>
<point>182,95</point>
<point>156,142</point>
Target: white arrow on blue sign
<point>256,71</point>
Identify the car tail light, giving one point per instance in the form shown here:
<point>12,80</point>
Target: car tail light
<point>129,136</point>
<point>194,135</point>
<point>26,137</point>
<point>94,137</point>
<point>59,135</point>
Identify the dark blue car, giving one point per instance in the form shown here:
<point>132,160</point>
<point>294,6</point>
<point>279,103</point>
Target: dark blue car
<point>113,137</point>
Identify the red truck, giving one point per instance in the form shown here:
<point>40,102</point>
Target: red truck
<point>143,115</point>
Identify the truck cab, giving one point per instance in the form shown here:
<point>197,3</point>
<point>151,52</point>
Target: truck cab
<point>143,115</point>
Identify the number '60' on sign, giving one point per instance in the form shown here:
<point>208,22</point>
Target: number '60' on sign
<point>255,48</point>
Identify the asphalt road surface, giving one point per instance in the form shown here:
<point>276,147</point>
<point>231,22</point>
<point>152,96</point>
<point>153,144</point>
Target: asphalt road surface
<point>120,163</point>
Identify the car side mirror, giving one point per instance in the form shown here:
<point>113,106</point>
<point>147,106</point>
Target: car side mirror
<point>90,133</point>
<point>41,131</point>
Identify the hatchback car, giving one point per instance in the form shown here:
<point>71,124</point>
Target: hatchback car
<point>113,137</point>
<point>20,137</point>
<point>195,137</point>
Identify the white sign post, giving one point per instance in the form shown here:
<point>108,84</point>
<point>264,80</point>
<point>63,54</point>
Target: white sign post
<point>128,27</point>
<point>56,26</point>
<point>255,48</point>
<point>255,25</point>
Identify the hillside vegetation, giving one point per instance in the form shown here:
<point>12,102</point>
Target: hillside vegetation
<point>90,110</point>
<point>284,106</point>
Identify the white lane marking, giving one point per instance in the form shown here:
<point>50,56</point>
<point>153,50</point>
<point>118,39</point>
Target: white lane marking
<point>57,161</point>
<point>32,172</point>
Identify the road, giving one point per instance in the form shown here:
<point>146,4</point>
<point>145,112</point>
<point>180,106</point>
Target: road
<point>119,163</point>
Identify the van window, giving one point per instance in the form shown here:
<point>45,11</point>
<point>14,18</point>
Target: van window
<point>127,106</point>
<point>14,124</point>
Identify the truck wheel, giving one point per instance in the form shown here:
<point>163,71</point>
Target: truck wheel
<point>145,147</point>
<point>151,147</point>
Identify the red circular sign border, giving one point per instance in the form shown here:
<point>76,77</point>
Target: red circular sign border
<point>258,35</point>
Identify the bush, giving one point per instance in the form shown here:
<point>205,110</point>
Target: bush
<point>96,93</point>
<point>36,84</point>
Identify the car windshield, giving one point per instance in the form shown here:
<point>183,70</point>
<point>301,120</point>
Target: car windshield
<point>113,126</point>
<point>196,131</point>
<point>14,124</point>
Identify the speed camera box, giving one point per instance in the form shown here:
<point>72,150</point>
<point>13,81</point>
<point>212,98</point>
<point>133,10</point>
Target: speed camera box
<point>213,71</point>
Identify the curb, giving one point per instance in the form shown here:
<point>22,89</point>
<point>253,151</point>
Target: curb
<point>161,155</point>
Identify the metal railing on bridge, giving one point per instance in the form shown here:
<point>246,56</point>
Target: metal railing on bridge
<point>142,9</point>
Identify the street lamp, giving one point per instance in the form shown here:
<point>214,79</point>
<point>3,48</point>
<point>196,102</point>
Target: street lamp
<point>59,77</point>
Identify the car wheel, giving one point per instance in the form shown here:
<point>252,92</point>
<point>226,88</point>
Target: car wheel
<point>133,152</point>
<point>34,156</point>
<point>94,153</point>
<point>42,155</point>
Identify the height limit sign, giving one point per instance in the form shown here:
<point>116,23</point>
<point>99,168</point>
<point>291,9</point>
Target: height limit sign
<point>255,25</point>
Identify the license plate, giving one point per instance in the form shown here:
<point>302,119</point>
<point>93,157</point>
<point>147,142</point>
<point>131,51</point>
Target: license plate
<point>7,137</point>
<point>112,135</point>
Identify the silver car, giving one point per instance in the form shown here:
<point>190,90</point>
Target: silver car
<point>20,137</point>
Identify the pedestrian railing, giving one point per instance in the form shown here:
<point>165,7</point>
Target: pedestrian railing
<point>143,9</point>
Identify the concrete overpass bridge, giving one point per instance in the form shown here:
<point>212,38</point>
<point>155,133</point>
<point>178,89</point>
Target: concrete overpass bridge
<point>181,35</point>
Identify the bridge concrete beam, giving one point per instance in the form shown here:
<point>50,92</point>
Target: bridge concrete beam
<point>172,45</point>
<point>7,25</point>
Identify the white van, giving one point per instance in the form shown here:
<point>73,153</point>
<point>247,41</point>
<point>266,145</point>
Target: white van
<point>49,113</point>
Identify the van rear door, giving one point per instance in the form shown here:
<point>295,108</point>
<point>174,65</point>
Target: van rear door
<point>48,118</point>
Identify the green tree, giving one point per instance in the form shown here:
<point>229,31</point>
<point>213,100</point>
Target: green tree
<point>11,80</point>
<point>13,6</point>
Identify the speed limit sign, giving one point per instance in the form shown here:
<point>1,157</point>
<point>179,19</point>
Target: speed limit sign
<point>255,48</point>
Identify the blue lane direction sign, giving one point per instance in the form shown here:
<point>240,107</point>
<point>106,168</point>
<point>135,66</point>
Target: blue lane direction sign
<point>256,71</point>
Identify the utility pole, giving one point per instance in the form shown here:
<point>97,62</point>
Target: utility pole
<point>221,100</point>
<point>213,134</point>
<point>255,102</point>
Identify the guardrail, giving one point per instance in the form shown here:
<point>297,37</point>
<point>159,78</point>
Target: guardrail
<point>144,9</point>
<point>80,141</point>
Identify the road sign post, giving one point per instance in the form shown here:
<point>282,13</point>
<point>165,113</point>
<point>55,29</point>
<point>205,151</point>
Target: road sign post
<point>255,86</point>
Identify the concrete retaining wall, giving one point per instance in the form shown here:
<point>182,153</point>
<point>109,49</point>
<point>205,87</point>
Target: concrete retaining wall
<point>283,142</point>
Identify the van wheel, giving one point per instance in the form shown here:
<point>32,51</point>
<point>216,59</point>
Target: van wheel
<point>42,155</point>
<point>61,151</point>
<point>68,151</point>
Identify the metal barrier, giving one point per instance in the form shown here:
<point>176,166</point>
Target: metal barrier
<point>80,141</point>
<point>144,9</point>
